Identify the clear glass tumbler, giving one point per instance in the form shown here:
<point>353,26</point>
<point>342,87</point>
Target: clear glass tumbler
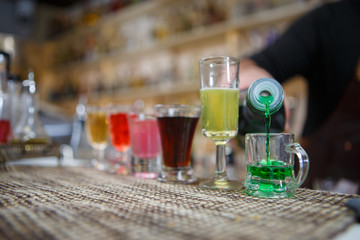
<point>145,145</point>
<point>177,124</point>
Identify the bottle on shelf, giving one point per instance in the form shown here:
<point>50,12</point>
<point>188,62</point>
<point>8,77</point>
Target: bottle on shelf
<point>252,110</point>
<point>14,90</point>
<point>29,129</point>
<point>79,143</point>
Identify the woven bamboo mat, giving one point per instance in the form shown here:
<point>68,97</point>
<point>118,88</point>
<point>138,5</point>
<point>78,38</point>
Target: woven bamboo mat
<point>79,203</point>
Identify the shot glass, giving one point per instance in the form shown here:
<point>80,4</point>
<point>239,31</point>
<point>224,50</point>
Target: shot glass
<point>119,136</point>
<point>145,145</point>
<point>177,124</point>
<point>97,133</point>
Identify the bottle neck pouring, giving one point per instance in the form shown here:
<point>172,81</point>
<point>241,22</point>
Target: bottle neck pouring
<point>265,93</point>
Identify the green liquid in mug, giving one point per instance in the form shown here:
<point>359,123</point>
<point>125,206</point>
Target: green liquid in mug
<point>270,175</point>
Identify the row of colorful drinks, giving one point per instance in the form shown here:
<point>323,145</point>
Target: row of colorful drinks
<point>159,144</point>
<point>169,132</point>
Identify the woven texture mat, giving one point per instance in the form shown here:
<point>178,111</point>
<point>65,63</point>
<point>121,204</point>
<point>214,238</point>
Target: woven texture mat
<point>80,203</point>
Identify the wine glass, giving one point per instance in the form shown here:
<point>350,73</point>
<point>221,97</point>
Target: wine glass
<point>219,95</point>
<point>119,134</point>
<point>98,133</point>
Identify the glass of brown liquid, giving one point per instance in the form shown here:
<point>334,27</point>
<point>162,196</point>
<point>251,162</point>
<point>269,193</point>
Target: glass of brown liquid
<point>177,124</point>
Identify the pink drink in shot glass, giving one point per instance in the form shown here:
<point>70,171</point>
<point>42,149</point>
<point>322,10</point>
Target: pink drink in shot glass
<point>145,145</point>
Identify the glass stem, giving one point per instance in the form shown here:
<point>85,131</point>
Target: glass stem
<point>101,155</point>
<point>220,161</point>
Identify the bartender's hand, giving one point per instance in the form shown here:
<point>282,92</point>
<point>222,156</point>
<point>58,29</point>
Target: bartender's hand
<point>249,72</point>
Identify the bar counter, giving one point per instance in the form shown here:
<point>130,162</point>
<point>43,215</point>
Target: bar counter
<point>83,203</point>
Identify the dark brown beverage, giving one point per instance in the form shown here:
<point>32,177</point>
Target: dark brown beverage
<point>176,139</point>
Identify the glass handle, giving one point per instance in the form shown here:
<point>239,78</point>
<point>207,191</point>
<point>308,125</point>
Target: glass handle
<point>304,163</point>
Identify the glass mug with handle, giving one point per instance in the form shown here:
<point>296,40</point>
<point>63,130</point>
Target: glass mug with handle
<point>270,169</point>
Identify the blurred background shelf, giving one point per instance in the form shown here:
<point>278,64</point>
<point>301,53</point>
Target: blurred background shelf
<point>185,39</point>
<point>144,49</point>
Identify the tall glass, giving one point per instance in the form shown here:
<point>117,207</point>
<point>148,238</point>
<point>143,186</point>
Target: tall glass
<point>220,110</point>
<point>98,133</point>
<point>119,134</point>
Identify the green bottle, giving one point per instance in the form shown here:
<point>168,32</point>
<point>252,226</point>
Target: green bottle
<point>262,109</point>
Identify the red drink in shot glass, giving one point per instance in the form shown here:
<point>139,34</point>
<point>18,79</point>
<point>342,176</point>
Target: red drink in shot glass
<point>119,131</point>
<point>119,136</point>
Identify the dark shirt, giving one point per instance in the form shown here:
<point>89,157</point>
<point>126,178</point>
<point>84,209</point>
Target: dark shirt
<point>324,47</point>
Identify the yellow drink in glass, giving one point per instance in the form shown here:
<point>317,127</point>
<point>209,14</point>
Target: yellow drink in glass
<point>220,111</point>
<point>219,95</point>
<point>97,129</point>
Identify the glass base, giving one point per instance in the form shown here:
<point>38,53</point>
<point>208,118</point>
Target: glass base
<point>145,175</point>
<point>145,167</point>
<point>222,184</point>
<point>104,165</point>
<point>273,195</point>
<point>177,175</point>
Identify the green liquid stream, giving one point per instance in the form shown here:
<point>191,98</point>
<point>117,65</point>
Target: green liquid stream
<point>266,100</point>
